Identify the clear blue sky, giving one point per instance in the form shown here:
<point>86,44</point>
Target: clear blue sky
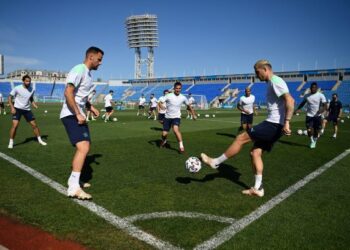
<point>195,37</point>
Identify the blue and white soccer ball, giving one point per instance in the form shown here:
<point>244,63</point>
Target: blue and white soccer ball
<point>193,164</point>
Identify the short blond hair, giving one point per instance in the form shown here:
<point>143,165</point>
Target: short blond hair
<point>262,63</point>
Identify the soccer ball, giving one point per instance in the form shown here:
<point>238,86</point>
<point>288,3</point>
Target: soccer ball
<point>213,115</point>
<point>115,119</point>
<point>342,121</point>
<point>300,132</point>
<point>45,111</point>
<point>199,115</point>
<point>193,164</point>
<point>305,132</point>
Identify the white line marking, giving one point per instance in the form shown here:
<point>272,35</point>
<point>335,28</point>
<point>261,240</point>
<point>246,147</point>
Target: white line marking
<point>170,214</point>
<point>116,221</point>
<point>215,120</point>
<point>230,231</point>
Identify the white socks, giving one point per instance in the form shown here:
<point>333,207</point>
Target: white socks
<point>41,141</point>
<point>181,144</point>
<point>258,181</point>
<point>73,181</point>
<point>220,159</point>
<point>10,143</point>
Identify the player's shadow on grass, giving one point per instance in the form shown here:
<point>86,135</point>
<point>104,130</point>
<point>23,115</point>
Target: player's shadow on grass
<point>156,129</point>
<point>86,172</point>
<point>158,142</point>
<point>224,171</point>
<point>290,143</point>
<point>30,139</point>
<point>227,134</point>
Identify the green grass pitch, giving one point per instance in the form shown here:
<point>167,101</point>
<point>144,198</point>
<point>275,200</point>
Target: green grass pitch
<point>131,175</point>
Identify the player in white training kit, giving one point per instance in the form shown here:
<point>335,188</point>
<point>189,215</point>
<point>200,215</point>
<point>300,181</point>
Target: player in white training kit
<point>88,106</point>
<point>2,106</point>
<point>191,102</point>
<point>161,108</point>
<point>79,85</point>
<point>142,101</point>
<point>173,115</point>
<point>108,106</point>
<point>246,106</point>
<point>24,96</point>
<point>316,105</point>
<point>280,106</point>
<point>153,103</point>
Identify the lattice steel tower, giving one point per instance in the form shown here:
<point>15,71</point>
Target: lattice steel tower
<point>143,33</point>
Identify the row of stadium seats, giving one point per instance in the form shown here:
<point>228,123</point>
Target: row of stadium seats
<point>210,91</point>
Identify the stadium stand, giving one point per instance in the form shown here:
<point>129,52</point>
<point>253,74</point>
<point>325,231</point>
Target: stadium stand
<point>5,88</point>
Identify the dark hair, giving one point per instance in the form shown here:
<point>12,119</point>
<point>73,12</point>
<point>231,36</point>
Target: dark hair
<point>93,50</point>
<point>313,84</point>
<point>335,94</point>
<point>26,77</point>
<point>177,84</point>
<point>111,91</point>
<point>165,90</point>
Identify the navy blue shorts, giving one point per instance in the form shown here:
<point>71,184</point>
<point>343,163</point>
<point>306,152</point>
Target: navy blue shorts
<point>76,132</point>
<point>161,117</point>
<point>141,107</point>
<point>246,119</point>
<point>109,109</point>
<point>169,123</point>
<point>333,118</point>
<point>88,106</point>
<point>265,134</point>
<point>313,122</point>
<point>28,115</point>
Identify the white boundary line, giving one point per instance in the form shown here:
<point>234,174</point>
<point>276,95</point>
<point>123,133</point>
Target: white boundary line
<point>171,214</point>
<point>215,241</point>
<point>230,231</point>
<point>116,221</point>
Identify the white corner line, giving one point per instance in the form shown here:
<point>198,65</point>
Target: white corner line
<point>230,231</point>
<point>116,221</point>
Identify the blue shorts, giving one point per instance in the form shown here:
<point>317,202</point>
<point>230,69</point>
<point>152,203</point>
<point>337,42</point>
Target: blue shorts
<point>265,134</point>
<point>246,119</point>
<point>76,132</point>
<point>170,122</point>
<point>109,109</point>
<point>161,117</point>
<point>333,118</point>
<point>28,115</point>
<point>313,122</point>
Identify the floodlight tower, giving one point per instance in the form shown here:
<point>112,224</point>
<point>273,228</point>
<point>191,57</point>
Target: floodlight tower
<point>143,33</point>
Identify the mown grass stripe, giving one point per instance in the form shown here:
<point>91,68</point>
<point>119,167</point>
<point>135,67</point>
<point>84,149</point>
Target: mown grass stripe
<point>116,221</point>
<point>230,231</point>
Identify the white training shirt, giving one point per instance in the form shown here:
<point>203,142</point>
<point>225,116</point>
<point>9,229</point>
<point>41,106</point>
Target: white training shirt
<point>247,103</point>
<point>80,76</point>
<point>142,101</point>
<point>191,100</point>
<point>314,102</point>
<point>108,98</point>
<point>276,110</point>
<point>154,102</point>
<point>22,96</point>
<point>162,101</point>
<point>173,105</point>
<point>91,96</point>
